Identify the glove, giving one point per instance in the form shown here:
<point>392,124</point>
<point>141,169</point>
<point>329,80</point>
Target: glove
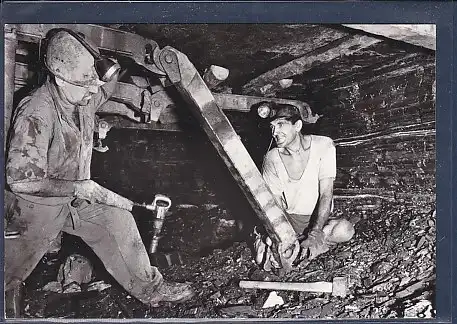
<point>313,245</point>
<point>93,192</point>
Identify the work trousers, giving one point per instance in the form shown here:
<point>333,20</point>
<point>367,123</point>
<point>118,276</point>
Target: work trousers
<point>111,232</point>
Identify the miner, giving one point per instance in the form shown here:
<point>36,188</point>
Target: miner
<point>300,172</point>
<point>48,171</point>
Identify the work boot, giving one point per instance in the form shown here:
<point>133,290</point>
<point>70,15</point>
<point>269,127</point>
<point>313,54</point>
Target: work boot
<point>13,302</point>
<point>172,292</point>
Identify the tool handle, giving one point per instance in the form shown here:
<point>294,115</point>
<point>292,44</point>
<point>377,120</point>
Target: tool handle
<point>320,286</point>
<point>159,200</point>
<point>163,200</point>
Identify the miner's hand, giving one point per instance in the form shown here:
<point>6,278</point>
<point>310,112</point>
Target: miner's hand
<point>313,245</point>
<point>93,192</point>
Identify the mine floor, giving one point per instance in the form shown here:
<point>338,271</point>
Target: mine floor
<point>390,264</point>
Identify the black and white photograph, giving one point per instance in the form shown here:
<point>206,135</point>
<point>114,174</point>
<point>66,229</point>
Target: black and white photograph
<point>220,171</point>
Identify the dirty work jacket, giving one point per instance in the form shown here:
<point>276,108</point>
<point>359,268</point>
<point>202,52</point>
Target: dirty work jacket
<point>46,143</point>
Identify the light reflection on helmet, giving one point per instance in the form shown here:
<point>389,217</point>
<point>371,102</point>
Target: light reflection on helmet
<point>67,59</point>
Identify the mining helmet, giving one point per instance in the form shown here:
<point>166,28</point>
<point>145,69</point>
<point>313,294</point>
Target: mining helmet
<point>74,59</point>
<point>272,110</point>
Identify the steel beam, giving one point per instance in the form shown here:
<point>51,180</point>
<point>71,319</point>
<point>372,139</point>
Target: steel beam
<point>160,104</point>
<point>233,102</point>
<point>230,148</point>
<point>243,103</point>
<point>120,122</point>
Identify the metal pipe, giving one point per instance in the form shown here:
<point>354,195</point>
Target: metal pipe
<point>10,62</point>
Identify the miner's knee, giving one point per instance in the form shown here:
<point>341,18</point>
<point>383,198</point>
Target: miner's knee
<point>119,214</point>
<point>118,221</point>
<point>342,231</point>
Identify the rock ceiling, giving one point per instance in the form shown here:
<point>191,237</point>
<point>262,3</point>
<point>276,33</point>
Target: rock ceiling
<point>259,55</point>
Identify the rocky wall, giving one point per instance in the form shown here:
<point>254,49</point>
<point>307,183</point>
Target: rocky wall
<point>379,107</point>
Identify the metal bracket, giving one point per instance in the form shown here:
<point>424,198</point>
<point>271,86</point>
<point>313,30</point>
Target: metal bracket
<point>102,129</point>
<point>229,146</point>
<point>169,61</point>
<point>155,103</point>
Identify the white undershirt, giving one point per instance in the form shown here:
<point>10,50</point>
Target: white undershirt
<point>301,195</point>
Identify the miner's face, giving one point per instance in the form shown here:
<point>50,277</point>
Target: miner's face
<point>78,94</point>
<point>83,84</point>
<point>283,131</point>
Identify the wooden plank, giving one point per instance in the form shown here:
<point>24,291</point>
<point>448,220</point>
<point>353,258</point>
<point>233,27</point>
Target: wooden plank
<point>345,46</point>
<point>423,35</point>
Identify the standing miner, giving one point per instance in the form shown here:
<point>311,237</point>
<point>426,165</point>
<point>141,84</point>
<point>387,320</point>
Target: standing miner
<point>48,170</point>
<point>300,172</point>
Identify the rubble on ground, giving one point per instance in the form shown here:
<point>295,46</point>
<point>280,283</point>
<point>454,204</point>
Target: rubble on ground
<point>390,264</point>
